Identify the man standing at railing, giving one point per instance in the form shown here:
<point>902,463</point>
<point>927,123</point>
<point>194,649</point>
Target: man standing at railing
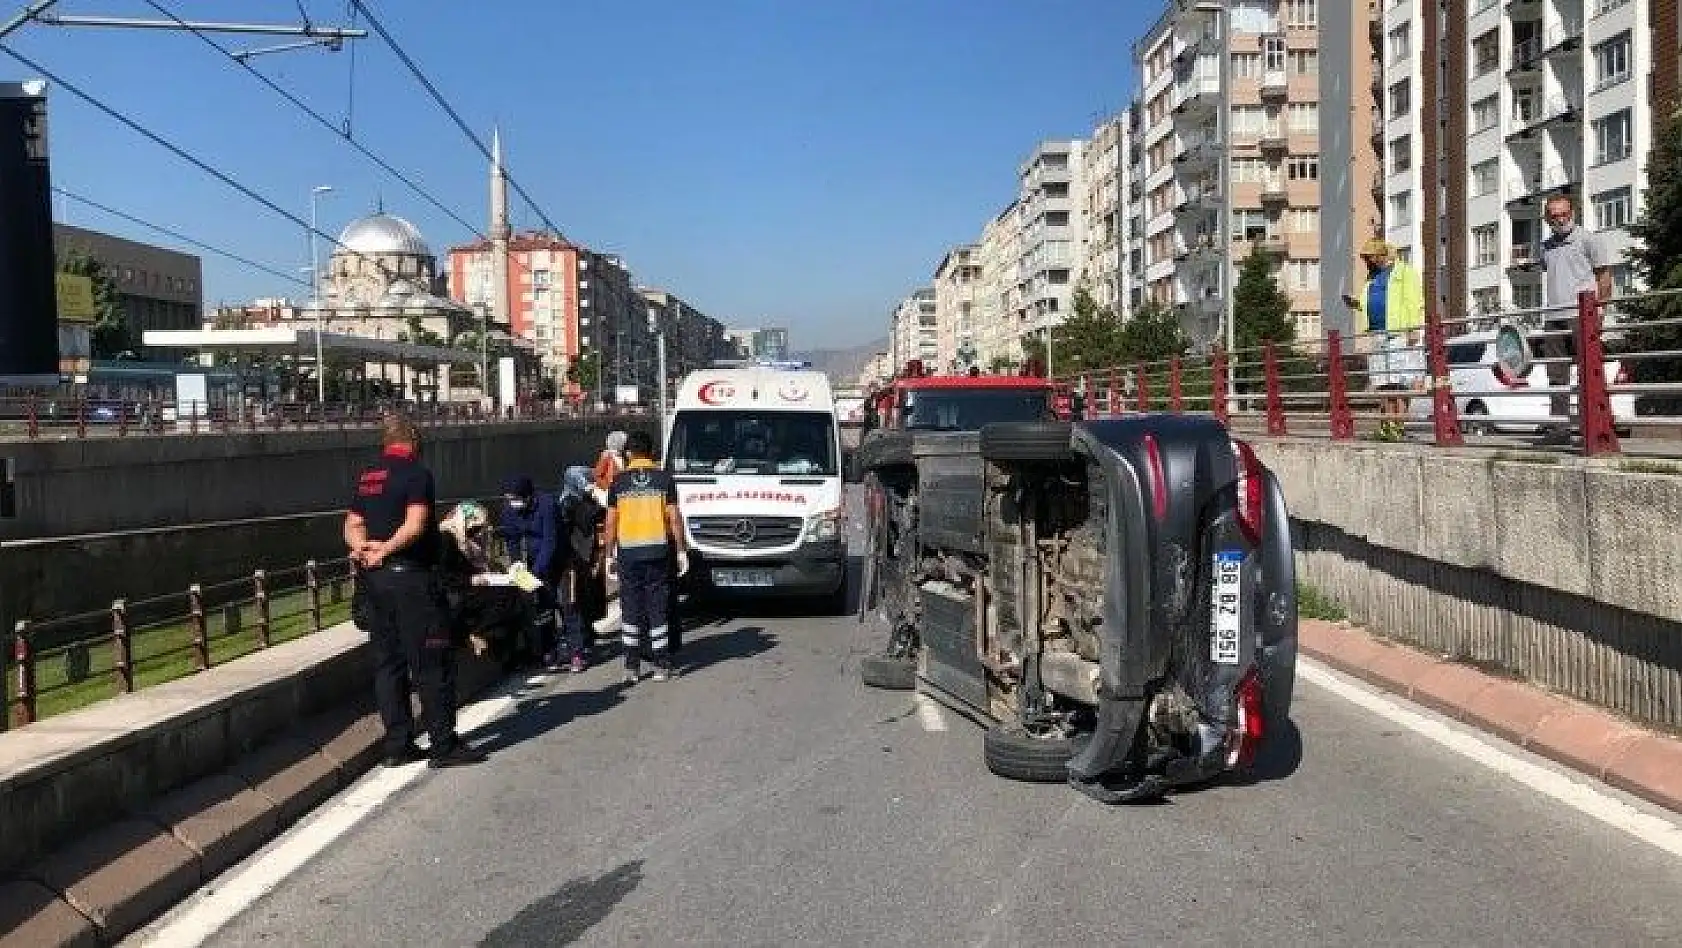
<point>392,532</point>
<point>1391,308</point>
<point>1575,260</point>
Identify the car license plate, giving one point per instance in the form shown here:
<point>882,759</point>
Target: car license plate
<point>1228,594</point>
<point>740,578</point>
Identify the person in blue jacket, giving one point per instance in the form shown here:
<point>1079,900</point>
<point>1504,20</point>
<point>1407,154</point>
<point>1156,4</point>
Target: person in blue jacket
<point>530,531</point>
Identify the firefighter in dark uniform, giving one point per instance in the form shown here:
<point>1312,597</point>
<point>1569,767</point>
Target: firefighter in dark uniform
<point>392,532</point>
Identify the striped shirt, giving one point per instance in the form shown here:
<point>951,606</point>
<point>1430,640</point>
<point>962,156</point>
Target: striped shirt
<point>641,495</point>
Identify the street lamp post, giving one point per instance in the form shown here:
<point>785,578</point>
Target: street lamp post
<point>315,295</point>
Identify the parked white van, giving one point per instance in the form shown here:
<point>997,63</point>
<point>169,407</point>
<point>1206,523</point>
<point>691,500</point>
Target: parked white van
<point>756,453</point>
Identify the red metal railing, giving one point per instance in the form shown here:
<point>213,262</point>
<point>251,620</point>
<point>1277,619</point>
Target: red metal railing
<point>1606,378</point>
<point>35,416</point>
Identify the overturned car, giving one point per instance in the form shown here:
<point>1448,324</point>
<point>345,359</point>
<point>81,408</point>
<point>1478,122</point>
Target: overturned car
<point>1114,599</point>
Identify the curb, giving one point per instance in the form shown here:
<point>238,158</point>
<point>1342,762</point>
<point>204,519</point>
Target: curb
<point>119,878</point>
<point>1642,762</point>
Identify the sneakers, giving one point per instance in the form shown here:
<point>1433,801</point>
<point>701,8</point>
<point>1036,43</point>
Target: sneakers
<point>633,673</point>
<point>661,673</point>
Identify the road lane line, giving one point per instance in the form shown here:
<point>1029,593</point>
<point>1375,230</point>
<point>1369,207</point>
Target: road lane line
<point>229,897</point>
<point>929,716</point>
<point>1574,792</point>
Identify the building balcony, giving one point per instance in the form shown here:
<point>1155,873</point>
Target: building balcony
<point>1273,139</point>
<point>1200,151</point>
<point>1522,257</point>
<point>1275,84</point>
<point>1197,96</point>
<point>1527,55</point>
<point>1274,191</point>
<point>1563,37</point>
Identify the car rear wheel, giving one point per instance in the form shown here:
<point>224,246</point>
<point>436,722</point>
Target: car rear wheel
<point>1027,441</point>
<point>1016,755</point>
<point>888,673</point>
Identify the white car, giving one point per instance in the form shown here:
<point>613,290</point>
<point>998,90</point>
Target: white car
<point>1489,400</point>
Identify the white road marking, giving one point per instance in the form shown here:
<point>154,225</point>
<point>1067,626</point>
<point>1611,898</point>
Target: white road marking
<point>928,714</point>
<point>1574,791</point>
<point>225,900</point>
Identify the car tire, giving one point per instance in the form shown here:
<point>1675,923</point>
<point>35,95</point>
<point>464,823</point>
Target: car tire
<point>888,673</point>
<point>1279,679</point>
<point>1028,441</point>
<point>835,603</point>
<point>1014,755</point>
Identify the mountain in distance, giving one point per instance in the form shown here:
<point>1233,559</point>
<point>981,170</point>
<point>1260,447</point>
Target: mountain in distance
<point>843,365</point>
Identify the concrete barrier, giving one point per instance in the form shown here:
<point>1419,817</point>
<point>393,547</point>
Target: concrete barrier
<point>67,488</point>
<point>1565,572</point>
<point>110,815</point>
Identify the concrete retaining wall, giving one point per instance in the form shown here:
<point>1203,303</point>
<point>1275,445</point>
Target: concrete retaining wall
<point>65,488</point>
<point>1567,574</point>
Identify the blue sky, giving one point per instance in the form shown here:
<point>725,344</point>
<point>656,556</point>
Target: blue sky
<point>794,162</point>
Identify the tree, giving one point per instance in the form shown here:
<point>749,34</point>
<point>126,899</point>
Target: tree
<point>1153,334</point>
<point>420,335</point>
<point>586,371</point>
<point>1261,314</point>
<point>110,336</point>
<point>1657,259</point>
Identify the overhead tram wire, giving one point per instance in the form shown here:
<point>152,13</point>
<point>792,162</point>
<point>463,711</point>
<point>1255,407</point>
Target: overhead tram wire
<point>262,267</point>
<point>341,131</point>
<point>443,103</point>
<point>179,152</point>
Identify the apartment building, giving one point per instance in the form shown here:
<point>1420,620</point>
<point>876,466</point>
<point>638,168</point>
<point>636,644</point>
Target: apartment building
<point>1352,82</point>
<point>997,341</point>
<point>1051,235</point>
<point>1230,154</point>
<point>1101,215</point>
<point>955,282</point>
<point>1537,98</point>
<point>915,330</point>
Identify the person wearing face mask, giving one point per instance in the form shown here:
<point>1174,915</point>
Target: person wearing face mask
<point>1574,260</point>
<point>1391,312</point>
<point>530,530</point>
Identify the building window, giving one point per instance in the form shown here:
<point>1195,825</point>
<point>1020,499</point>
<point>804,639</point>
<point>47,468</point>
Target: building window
<point>1303,274</point>
<point>540,279</point>
<point>1401,43</point>
<point>1305,117</point>
<point>1484,239</point>
<point>1613,209</point>
<point>1401,99</point>
<point>1248,120</point>
<point>1486,176</point>
<point>1303,220</point>
<point>1524,106</point>
<point>1246,65</point>
<point>1485,114</point>
<point>1302,14</point>
<point>1487,301</point>
<point>1305,62</point>
<point>1486,53</point>
<point>1303,169</point>
<point>1401,154</point>
<point>1248,224</point>
<point>1611,61</point>
<point>1613,138</point>
<point>1401,209</point>
<point>1273,52</point>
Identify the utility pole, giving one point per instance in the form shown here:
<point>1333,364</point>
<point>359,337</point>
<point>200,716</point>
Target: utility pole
<point>315,296</point>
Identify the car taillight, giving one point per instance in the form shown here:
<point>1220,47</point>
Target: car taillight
<point>1507,378</point>
<point>1252,492</point>
<point>1159,480</point>
<point>1248,730</point>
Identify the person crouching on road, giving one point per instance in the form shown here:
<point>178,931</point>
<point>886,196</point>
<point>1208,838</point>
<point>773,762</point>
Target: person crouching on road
<point>530,535</point>
<point>580,516</point>
<point>490,618</point>
<point>392,532</point>
<point>644,540</point>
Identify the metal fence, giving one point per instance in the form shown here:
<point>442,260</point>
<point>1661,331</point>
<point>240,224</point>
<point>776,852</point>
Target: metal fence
<point>1601,378</point>
<point>43,417</point>
<point>71,661</point>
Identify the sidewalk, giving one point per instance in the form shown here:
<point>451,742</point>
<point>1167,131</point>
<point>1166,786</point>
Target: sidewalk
<point>1642,762</point>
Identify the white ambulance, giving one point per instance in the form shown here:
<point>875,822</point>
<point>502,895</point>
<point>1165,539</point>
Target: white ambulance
<point>756,453</point>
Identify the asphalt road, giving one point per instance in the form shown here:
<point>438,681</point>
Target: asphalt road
<point>765,797</point>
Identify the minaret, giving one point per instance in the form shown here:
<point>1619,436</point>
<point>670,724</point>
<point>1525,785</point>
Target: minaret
<point>500,233</point>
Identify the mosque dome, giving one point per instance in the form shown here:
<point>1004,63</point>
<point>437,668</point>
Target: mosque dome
<point>384,234</point>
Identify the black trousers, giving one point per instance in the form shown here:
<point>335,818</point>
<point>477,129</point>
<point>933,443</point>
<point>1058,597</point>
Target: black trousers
<point>411,641</point>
